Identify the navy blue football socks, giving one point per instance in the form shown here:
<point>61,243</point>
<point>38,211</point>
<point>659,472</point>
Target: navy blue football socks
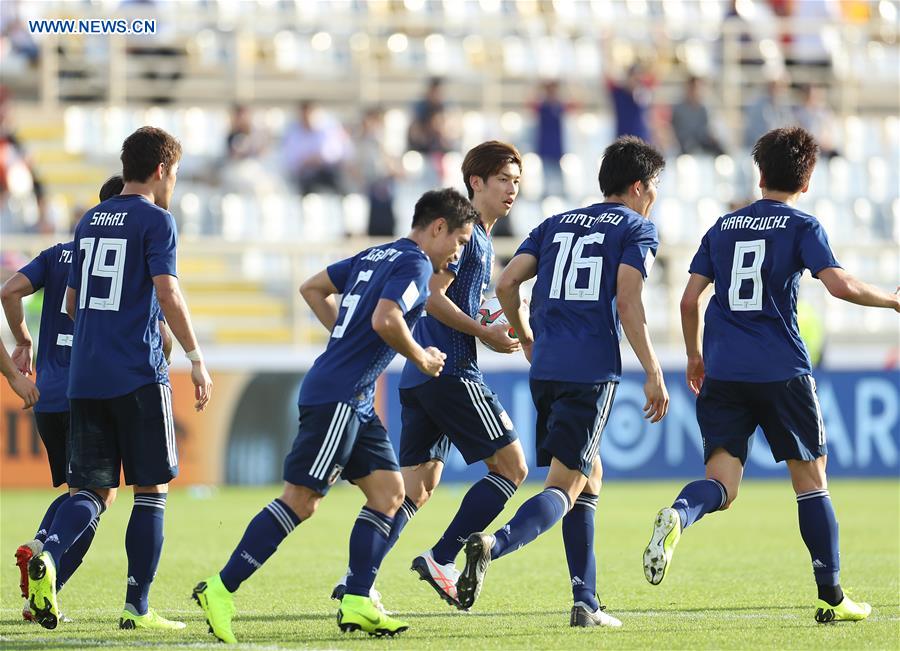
<point>261,538</point>
<point>71,560</point>
<point>578,538</point>
<point>401,518</point>
<point>44,527</point>
<point>819,530</point>
<point>533,518</point>
<point>699,498</point>
<point>73,516</point>
<point>481,504</point>
<point>368,547</point>
<point>143,546</point>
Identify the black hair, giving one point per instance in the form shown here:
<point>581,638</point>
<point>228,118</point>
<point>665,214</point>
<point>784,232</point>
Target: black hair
<point>447,204</point>
<point>786,158</point>
<point>627,160</point>
<point>144,150</point>
<point>111,187</point>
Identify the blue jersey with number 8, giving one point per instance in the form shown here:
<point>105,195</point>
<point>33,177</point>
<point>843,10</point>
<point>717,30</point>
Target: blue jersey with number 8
<point>755,257</point>
<point>573,303</point>
<point>120,245</point>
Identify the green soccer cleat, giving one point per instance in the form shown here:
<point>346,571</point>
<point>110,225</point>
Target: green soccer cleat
<point>658,554</point>
<point>150,621</point>
<point>360,614</point>
<point>846,611</point>
<point>218,605</point>
<point>42,590</point>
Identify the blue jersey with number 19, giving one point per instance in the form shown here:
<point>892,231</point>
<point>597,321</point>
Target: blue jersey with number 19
<point>573,303</point>
<point>120,245</point>
<point>356,355</point>
<point>755,256</point>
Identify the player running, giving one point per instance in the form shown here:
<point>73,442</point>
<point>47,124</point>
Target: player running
<point>122,274</point>
<point>384,290</point>
<point>590,265</point>
<point>754,369</point>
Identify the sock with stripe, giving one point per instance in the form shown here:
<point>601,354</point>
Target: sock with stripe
<point>71,560</point>
<point>699,498</point>
<point>819,529</point>
<point>481,504</point>
<point>533,518</point>
<point>261,538</point>
<point>73,516</point>
<point>404,514</point>
<point>143,547</point>
<point>368,547</point>
<point>44,527</point>
<point>578,538</point>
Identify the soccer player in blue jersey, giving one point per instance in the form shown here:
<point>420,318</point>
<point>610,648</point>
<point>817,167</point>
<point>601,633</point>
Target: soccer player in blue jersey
<point>754,369</point>
<point>50,271</point>
<point>458,407</point>
<point>590,265</point>
<point>384,291</point>
<point>122,277</point>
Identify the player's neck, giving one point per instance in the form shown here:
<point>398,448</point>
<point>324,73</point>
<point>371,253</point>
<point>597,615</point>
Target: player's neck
<point>487,219</point>
<point>417,236</point>
<point>623,199</point>
<point>789,198</point>
<point>142,189</point>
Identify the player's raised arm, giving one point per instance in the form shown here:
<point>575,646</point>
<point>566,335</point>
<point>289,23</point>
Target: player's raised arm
<point>630,285</point>
<point>844,286</point>
<point>318,292</point>
<point>388,322</point>
<point>690,327</point>
<point>11,295</point>
<point>174,308</point>
<point>23,387</point>
<point>520,269</point>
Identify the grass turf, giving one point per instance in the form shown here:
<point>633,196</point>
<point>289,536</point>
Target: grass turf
<point>740,579</point>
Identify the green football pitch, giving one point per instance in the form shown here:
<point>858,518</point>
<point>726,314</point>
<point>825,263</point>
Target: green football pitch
<point>740,579</point>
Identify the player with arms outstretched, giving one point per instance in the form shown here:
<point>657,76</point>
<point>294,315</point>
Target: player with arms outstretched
<point>590,265</point>
<point>754,369</point>
<point>384,291</point>
<point>122,279</point>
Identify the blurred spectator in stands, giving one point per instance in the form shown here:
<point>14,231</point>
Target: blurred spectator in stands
<point>21,42</point>
<point>427,132</point>
<point>315,150</point>
<point>803,42</point>
<point>690,122</point>
<point>631,100</point>
<point>377,170</point>
<point>814,115</point>
<point>243,141</point>
<point>548,133</point>
<point>768,111</point>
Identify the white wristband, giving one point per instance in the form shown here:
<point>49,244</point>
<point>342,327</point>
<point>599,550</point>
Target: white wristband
<point>194,355</point>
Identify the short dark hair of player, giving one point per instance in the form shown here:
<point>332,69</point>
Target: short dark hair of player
<point>486,160</point>
<point>786,158</point>
<point>112,187</point>
<point>446,203</point>
<point>627,160</point>
<point>144,150</point>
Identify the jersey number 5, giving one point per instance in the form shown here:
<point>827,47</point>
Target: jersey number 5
<point>103,267</point>
<point>593,264</point>
<point>350,302</point>
<point>742,270</point>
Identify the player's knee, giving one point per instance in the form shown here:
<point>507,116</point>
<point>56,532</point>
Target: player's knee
<point>512,467</point>
<point>303,502</point>
<point>387,501</point>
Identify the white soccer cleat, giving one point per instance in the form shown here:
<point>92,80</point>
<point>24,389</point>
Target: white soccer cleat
<point>442,578</point>
<point>341,589</point>
<point>583,616</point>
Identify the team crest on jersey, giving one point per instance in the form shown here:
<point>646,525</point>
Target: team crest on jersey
<point>335,473</point>
<point>504,418</point>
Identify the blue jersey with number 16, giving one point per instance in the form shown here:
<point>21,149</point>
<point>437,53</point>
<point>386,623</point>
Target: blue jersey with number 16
<point>120,245</point>
<point>356,355</point>
<point>755,256</point>
<point>573,303</point>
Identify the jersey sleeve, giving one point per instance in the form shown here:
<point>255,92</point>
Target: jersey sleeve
<point>702,262</point>
<point>36,270</point>
<point>75,268</point>
<point>815,251</point>
<point>640,249</point>
<point>339,273</point>
<point>532,243</point>
<point>408,283</point>
<point>160,246</point>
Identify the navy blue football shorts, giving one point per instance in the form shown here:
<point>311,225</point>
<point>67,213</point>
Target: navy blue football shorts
<point>570,421</point>
<point>449,409</point>
<point>53,428</point>
<point>787,411</point>
<point>332,442</point>
<point>134,432</point>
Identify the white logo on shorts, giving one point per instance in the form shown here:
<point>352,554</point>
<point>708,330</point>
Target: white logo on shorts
<point>504,418</point>
<point>335,473</point>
